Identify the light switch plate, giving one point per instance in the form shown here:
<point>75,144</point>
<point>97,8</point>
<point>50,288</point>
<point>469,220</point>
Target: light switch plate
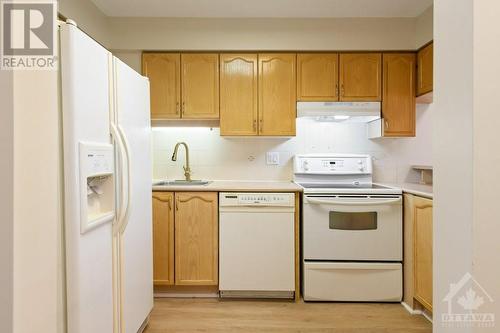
<point>273,158</point>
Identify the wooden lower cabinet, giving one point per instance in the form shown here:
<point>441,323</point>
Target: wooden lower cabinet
<point>422,252</point>
<point>196,238</point>
<point>185,238</point>
<point>418,252</point>
<point>163,238</point>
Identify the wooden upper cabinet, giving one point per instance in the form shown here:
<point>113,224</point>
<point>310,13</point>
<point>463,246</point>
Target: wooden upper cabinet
<point>398,105</point>
<point>317,77</point>
<point>277,94</point>
<point>360,76</point>
<point>196,238</point>
<point>200,85</point>
<point>163,238</point>
<point>164,72</point>
<point>425,70</point>
<point>238,94</point>
<point>422,251</point>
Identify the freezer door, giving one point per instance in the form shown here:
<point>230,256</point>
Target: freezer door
<point>85,113</point>
<point>134,230</point>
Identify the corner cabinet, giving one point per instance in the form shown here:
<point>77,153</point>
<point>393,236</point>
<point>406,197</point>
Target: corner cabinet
<point>425,68</point>
<point>277,94</point>
<point>398,102</point>
<point>196,238</point>
<point>317,77</point>
<point>418,252</point>
<point>163,238</point>
<point>238,94</point>
<point>185,238</point>
<point>164,73</point>
<point>360,77</point>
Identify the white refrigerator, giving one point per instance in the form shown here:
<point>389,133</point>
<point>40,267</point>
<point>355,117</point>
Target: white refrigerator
<point>107,188</point>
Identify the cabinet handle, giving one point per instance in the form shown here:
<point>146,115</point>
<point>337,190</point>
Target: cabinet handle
<point>169,204</point>
<point>336,89</point>
<point>342,90</point>
<point>183,108</point>
<point>255,125</point>
<point>177,204</point>
<point>386,123</point>
<point>261,124</point>
<point>177,108</point>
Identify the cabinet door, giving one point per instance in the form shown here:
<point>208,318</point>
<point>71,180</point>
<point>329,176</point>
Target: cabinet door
<point>196,238</point>
<point>163,238</point>
<point>360,76</point>
<point>425,70</point>
<point>277,94</point>
<point>422,252</point>
<point>164,72</point>
<point>398,105</point>
<point>238,94</point>
<point>200,85</point>
<point>317,77</point>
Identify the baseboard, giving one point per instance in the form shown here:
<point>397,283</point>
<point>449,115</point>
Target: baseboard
<point>410,310</point>
<point>186,291</point>
<point>423,313</point>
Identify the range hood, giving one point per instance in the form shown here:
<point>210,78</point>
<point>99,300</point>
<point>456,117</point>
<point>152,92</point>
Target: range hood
<point>361,112</point>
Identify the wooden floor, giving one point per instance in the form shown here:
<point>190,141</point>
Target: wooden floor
<point>213,315</point>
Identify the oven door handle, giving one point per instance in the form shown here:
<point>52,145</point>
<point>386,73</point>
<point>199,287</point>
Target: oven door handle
<point>354,203</point>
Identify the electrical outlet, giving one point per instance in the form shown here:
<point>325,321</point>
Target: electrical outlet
<point>273,158</point>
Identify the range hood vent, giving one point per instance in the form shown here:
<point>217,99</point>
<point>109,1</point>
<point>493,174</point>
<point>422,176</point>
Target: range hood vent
<point>340,111</point>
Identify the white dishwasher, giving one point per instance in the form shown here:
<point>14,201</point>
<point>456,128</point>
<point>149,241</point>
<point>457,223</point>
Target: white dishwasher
<point>256,245</point>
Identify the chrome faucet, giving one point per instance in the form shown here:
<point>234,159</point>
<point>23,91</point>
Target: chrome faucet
<point>187,169</point>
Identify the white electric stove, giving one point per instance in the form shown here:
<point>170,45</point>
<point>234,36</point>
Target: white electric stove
<point>352,230</point>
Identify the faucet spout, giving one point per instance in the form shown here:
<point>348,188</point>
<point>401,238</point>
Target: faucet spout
<point>187,169</point>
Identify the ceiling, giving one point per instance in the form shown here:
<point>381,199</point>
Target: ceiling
<point>263,8</point>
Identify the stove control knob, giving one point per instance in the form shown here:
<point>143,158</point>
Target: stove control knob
<point>361,168</point>
<point>360,162</point>
<point>305,165</point>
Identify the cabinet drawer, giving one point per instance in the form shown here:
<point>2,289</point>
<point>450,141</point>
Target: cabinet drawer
<point>353,282</point>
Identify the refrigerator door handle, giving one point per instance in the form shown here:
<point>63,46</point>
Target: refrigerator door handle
<point>124,200</point>
<point>124,221</point>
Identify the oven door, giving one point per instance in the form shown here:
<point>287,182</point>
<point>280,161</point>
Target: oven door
<point>352,227</point>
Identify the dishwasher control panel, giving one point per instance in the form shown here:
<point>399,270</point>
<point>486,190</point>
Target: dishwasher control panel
<point>257,199</point>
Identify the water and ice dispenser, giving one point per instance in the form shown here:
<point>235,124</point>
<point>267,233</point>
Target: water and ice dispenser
<point>97,190</point>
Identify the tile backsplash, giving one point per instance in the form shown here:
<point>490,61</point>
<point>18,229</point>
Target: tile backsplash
<point>223,158</point>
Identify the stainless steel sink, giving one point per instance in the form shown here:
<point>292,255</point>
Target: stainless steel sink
<point>181,182</point>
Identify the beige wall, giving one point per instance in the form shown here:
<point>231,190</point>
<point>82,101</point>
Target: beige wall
<point>37,206</point>
<point>486,120</point>
<point>6,200</point>
<point>453,150</point>
<point>262,34</point>
<point>424,27</point>
<point>88,17</point>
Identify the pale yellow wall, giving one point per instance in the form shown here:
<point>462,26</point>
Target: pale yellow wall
<point>486,120</point>
<point>88,17</point>
<point>37,206</point>
<point>424,27</point>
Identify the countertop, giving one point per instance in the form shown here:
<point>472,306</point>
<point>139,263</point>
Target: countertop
<point>234,186</point>
<point>413,188</point>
